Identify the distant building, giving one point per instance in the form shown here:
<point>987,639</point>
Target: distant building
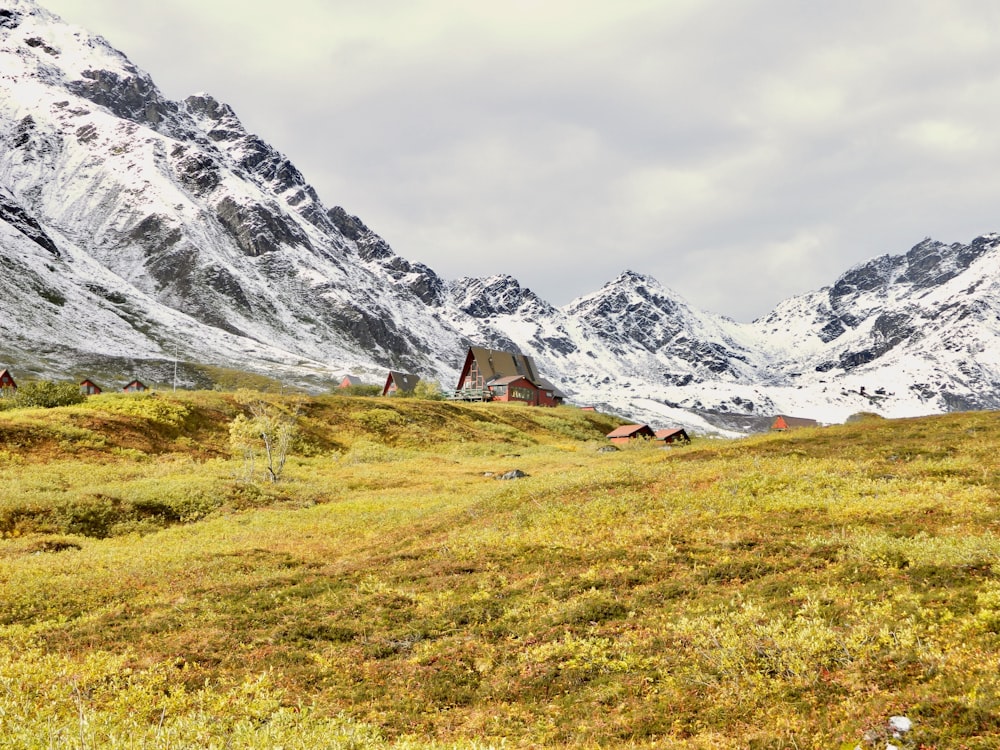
<point>491,375</point>
<point>399,382</point>
<point>89,388</point>
<point>629,432</point>
<point>135,386</point>
<point>673,435</point>
<point>7,385</point>
<point>350,380</point>
<point>783,422</point>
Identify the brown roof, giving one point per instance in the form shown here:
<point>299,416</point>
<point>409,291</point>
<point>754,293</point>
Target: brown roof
<point>495,364</point>
<point>628,430</point>
<point>547,385</point>
<point>507,380</point>
<point>404,381</point>
<point>664,434</point>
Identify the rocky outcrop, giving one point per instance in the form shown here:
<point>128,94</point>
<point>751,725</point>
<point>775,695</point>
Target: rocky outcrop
<point>18,217</point>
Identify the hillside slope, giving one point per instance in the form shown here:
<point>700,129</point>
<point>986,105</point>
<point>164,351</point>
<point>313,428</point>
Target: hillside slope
<point>785,590</point>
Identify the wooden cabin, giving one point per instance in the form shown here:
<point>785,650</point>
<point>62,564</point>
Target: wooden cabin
<point>491,375</point>
<point>548,394</point>
<point>350,380</point>
<point>89,388</point>
<point>629,432</point>
<point>135,386</point>
<point>7,385</point>
<point>672,435</point>
<point>399,382</point>
<point>783,422</point>
<point>514,389</point>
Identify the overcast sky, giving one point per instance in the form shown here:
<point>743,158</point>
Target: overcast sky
<point>739,151</point>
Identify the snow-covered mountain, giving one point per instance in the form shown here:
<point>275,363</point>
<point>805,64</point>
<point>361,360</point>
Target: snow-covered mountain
<point>137,231</point>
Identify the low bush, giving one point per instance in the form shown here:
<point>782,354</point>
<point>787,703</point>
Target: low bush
<point>44,394</point>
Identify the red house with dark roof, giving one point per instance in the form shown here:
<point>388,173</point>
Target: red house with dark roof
<point>672,435</point>
<point>629,432</point>
<point>399,382</point>
<point>89,388</point>
<point>135,386</point>
<point>491,375</point>
<point>7,385</point>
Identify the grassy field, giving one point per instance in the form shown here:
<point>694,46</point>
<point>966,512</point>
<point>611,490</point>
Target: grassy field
<point>780,591</point>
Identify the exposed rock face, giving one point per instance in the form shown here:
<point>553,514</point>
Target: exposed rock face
<point>497,295</point>
<point>9,19</point>
<point>416,278</point>
<point>16,216</point>
<point>258,228</point>
<point>132,98</point>
<point>636,310</point>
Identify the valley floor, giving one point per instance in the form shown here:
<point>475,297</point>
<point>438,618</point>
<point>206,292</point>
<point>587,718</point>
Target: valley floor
<point>780,591</point>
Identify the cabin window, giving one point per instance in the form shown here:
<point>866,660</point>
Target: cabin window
<point>521,394</point>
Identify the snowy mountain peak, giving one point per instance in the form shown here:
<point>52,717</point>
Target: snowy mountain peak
<point>500,294</point>
<point>135,230</point>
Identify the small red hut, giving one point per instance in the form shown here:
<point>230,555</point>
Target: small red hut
<point>89,388</point>
<point>783,423</point>
<point>7,385</point>
<point>672,435</point>
<point>514,389</point>
<point>135,386</point>
<point>629,432</point>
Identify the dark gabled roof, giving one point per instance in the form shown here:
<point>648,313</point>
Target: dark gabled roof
<point>664,434</point>
<point>351,380</point>
<point>404,381</point>
<point>630,430</point>
<point>496,364</point>
<point>547,385</point>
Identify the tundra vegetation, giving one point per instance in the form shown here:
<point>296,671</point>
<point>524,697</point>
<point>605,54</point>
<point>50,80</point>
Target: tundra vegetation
<point>779,591</point>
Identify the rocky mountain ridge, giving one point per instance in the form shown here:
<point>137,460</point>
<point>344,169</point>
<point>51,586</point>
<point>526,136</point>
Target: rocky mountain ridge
<point>136,232</point>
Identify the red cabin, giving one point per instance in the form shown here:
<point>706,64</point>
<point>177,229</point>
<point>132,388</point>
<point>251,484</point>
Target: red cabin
<point>490,375</point>
<point>89,388</point>
<point>675,435</point>
<point>629,432</point>
<point>514,389</point>
<point>135,386</point>
<point>399,382</point>
<point>7,385</point>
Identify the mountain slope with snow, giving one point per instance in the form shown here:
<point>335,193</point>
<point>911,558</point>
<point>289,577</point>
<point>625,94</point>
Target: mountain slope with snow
<point>136,231</point>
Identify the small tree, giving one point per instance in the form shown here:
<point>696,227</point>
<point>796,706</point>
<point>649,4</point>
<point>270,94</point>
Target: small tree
<point>265,432</point>
<point>428,389</point>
